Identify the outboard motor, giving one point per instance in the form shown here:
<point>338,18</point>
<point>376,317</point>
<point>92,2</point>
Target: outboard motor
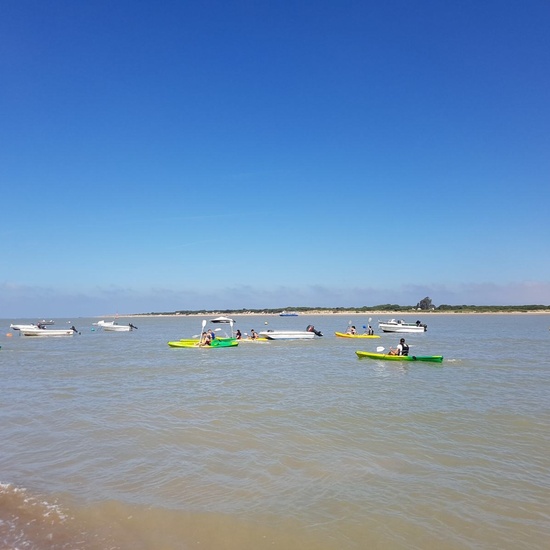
<point>311,328</point>
<point>419,324</point>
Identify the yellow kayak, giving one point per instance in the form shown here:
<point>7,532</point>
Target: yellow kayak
<point>194,343</point>
<point>347,335</point>
<point>387,356</point>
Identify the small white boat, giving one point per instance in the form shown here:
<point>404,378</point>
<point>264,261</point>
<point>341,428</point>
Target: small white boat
<point>307,334</point>
<point>103,323</point>
<point>39,324</point>
<point>288,314</point>
<point>117,328</point>
<point>398,325</point>
<point>23,327</point>
<point>45,332</point>
<point>114,327</point>
<point>287,335</point>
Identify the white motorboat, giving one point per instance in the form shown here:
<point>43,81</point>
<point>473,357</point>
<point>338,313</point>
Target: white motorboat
<point>114,327</point>
<point>23,327</point>
<point>103,323</point>
<point>39,324</point>
<point>287,335</point>
<point>44,332</point>
<point>117,328</point>
<point>398,325</point>
<point>307,334</point>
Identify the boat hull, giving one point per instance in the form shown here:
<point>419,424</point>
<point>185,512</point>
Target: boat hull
<point>401,327</point>
<point>117,328</point>
<point>386,357</point>
<point>43,332</point>
<point>287,335</point>
<point>346,335</point>
<point>23,327</point>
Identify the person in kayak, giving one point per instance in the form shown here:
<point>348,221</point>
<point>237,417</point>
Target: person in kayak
<point>238,335</point>
<point>205,340</point>
<point>253,334</point>
<point>401,349</point>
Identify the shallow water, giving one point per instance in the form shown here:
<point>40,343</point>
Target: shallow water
<point>115,440</point>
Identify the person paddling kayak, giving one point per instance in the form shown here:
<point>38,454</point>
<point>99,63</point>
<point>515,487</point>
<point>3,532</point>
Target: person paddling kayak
<point>401,349</point>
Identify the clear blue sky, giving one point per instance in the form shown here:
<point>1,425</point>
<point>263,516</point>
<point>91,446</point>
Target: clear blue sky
<point>168,155</point>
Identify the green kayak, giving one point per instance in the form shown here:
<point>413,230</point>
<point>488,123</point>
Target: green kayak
<point>371,355</point>
<point>194,343</point>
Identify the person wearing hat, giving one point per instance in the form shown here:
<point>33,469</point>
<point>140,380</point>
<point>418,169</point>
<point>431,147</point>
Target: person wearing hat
<point>401,349</point>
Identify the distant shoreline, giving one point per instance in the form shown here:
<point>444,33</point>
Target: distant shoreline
<point>393,314</point>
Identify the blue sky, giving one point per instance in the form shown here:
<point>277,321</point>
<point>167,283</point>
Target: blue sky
<point>167,155</point>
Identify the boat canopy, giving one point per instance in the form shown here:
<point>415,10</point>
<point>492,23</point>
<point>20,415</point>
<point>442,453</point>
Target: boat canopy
<point>222,320</point>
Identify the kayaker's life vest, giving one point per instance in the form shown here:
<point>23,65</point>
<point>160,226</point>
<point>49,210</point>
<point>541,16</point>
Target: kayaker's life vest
<point>404,349</point>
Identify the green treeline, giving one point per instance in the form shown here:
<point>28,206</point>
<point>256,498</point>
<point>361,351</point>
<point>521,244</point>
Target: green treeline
<point>444,308</point>
<point>492,309</point>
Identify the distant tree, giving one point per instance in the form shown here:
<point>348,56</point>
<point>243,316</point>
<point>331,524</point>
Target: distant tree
<point>425,304</point>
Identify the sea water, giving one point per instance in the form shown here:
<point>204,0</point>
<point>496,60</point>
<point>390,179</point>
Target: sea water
<point>117,441</point>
